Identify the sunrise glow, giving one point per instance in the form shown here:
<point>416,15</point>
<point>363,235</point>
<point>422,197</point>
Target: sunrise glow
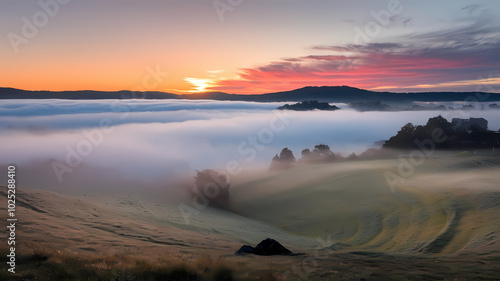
<point>237,52</point>
<point>200,85</point>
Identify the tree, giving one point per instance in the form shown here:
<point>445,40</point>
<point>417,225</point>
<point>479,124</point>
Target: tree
<point>275,163</point>
<point>286,156</point>
<point>285,160</point>
<point>308,105</point>
<point>213,186</point>
<point>407,130</point>
<point>353,156</point>
<point>405,137</point>
<point>323,152</point>
<point>439,122</point>
<point>442,135</point>
<point>306,155</point>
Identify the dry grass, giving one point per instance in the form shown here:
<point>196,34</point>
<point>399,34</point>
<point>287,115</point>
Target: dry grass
<point>43,263</point>
<point>49,264</point>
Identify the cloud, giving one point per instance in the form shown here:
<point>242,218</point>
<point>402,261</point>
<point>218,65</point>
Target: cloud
<point>154,148</point>
<point>25,108</point>
<point>472,9</point>
<point>456,58</point>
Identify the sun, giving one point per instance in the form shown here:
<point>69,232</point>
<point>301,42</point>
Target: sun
<point>200,85</point>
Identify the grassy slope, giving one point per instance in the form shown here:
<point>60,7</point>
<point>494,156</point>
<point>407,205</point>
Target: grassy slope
<point>446,206</point>
<point>449,207</point>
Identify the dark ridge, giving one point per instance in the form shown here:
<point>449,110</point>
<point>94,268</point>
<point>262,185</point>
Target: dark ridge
<point>343,94</point>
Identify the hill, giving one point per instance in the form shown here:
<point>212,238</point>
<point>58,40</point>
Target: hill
<point>11,93</point>
<point>440,223</point>
<point>343,94</point>
<point>434,211</point>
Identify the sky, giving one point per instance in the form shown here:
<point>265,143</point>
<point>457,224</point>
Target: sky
<point>250,46</point>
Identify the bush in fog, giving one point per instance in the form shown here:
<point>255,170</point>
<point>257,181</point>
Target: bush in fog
<point>320,153</point>
<point>214,186</point>
<point>285,160</point>
<point>308,105</point>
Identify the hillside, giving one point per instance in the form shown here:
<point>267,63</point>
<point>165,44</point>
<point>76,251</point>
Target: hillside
<point>440,209</point>
<point>440,223</point>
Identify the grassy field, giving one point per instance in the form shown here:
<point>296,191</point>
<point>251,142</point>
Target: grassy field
<point>448,205</point>
<point>440,223</point>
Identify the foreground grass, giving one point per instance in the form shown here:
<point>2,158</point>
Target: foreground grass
<point>58,265</point>
<point>51,265</point>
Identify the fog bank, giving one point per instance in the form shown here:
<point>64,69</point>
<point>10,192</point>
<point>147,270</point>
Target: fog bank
<point>157,142</point>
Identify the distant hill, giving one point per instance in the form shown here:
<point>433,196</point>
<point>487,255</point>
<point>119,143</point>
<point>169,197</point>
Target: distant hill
<point>349,94</point>
<point>11,93</point>
<point>324,94</point>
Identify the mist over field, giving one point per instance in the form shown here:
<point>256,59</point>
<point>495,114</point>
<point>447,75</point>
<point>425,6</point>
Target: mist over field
<point>125,144</point>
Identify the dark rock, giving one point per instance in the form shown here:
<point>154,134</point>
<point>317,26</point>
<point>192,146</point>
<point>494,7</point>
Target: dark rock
<point>245,249</point>
<point>268,247</point>
<point>271,247</point>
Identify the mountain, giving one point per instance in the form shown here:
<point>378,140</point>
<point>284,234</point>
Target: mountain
<point>325,94</point>
<point>11,93</point>
<point>350,94</point>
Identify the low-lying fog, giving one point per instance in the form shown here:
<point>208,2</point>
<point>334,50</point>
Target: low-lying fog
<point>94,144</point>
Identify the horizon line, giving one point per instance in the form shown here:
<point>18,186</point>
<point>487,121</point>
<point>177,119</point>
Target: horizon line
<point>235,94</point>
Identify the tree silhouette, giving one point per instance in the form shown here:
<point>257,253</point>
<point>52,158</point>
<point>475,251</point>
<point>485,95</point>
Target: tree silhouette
<point>442,135</point>
<point>308,105</point>
<point>284,161</point>
<point>321,152</point>
<point>212,186</point>
<point>286,156</point>
<point>306,155</point>
<point>404,138</point>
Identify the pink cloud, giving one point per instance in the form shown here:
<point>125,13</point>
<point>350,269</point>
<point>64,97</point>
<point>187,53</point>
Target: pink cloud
<point>371,66</point>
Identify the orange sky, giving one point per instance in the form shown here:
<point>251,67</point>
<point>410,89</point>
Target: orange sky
<point>255,47</point>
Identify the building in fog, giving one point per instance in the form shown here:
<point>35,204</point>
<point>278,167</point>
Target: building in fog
<point>470,124</point>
